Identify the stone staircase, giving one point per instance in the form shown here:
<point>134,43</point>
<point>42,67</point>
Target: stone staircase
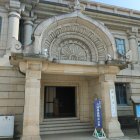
<point>64,125</point>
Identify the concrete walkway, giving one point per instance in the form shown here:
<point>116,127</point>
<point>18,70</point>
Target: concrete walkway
<point>130,134</point>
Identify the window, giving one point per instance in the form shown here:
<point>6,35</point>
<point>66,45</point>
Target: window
<point>120,45</point>
<point>121,95</point>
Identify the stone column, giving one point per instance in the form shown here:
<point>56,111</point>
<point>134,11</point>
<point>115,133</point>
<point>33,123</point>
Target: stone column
<point>134,47</point>
<point>109,105</point>
<point>28,29</point>
<point>13,27</point>
<point>31,129</point>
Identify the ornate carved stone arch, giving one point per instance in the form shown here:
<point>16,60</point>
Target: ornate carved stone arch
<point>74,38</point>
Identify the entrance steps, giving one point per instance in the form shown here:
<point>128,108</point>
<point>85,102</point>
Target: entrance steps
<point>64,125</point>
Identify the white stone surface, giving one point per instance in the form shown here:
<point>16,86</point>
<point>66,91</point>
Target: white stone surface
<point>28,29</point>
<point>13,27</point>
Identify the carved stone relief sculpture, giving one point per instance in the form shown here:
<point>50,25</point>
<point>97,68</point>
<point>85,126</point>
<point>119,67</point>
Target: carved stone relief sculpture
<point>75,40</point>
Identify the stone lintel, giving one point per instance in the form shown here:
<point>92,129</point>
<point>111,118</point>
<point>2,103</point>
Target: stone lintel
<point>74,69</point>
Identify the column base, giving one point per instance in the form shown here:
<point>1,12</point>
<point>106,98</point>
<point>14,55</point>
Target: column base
<point>30,138</point>
<point>114,129</point>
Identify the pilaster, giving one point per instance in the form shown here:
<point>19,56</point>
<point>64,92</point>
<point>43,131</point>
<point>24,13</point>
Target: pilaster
<point>133,44</point>
<point>108,96</point>
<point>31,119</point>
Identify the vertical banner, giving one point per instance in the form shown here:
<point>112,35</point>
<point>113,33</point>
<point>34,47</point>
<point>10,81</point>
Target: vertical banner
<point>113,103</point>
<point>97,114</point>
<point>138,111</point>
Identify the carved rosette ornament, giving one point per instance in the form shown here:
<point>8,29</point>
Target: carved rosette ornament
<point>72,50</point>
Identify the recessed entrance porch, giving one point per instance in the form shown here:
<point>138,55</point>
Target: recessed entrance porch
<point>91,82</point>
<point>66,103</point>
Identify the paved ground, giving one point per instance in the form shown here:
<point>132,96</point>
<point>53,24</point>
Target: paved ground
<point>130,134</point>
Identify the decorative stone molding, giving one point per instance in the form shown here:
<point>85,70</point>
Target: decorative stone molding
<point>16,46</point>
<point>30,65</point>
<point>15,5</point>
<point>74,37</point>
<point>133,44</point>
<point>78,6</point>
<point>69,39</point>
<point>14,14</point>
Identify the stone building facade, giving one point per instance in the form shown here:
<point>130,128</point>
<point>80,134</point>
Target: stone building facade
<point>84,50</point>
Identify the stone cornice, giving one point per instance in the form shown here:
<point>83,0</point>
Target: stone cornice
<point>46,66</point>
<point>61,7</point>
<point>96,6</point>
<point>112,19</point>
<point>46,10</point>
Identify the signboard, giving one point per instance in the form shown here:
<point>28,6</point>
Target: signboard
<point>6,126</point>
<point>97,113</point>
<point>113,103</point>
<point>138,111</point>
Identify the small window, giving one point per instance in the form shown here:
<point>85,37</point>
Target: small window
<point>121,94</point>
<point>120,45</point>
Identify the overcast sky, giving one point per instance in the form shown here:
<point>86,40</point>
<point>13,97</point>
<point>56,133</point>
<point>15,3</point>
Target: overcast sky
<point>132,4</point>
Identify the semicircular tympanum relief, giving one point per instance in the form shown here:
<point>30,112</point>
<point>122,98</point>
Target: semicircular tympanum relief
<point>75,42</point>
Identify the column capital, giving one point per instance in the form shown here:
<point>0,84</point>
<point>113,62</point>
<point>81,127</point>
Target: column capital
<point>15,6</point>
<point>30,65</point>
<point>107,78</point>
<point>14,14</point>
<point>132,36</point>
<point>132,33</point>
<point>28,22</point>
<point>32,74</point>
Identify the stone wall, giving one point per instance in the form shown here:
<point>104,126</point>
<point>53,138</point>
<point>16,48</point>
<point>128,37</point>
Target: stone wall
<point>12,84</point>
<point>3,31</point>
<point>133,88</point>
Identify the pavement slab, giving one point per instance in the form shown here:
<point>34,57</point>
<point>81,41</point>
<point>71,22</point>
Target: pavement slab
<point>130,134</point>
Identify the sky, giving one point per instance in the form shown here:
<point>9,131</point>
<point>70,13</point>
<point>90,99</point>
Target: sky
<point>132,4</point>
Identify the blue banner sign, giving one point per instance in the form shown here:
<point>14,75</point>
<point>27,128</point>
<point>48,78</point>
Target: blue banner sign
<point>97,113</point>
<point>138,111</point>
